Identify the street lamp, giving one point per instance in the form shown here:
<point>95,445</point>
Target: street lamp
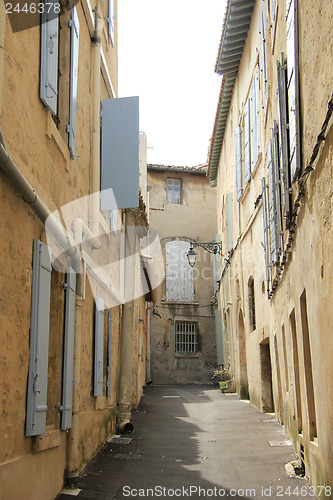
<point>214,247</point>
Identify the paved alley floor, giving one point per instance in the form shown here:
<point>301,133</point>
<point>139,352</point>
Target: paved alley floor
<point>194,442</point>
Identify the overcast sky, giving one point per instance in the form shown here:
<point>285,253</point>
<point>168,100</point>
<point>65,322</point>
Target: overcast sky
<point>167,56</point>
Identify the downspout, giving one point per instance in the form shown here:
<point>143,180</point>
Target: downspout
<point>96,126</point>
<point>148,348</point>
<point>125,376</point>
<point>79,227</point>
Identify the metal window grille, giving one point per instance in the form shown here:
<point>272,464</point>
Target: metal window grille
<point>174,191</point>
<point>186,336</point>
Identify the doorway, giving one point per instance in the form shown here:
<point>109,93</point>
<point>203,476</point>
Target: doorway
<point>267,402</point>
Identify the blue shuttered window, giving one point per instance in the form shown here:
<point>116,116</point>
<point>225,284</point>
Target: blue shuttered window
<point>274,198</point>
<point>109,354</point>
<point>284,137</point>
<point>39,340</point>
<point>229,222</point>
<point>71,128</point>
<point>110,21</point>
<point>68,363</point>
<point>255,121</point>
<point>120,153</point>
<point>266,229</point>
<point>49,57</point>
<point>247,140</point>
<point>99,339</point>
<point>293,88</point>
<point>263,50</point>
<point>238,159</point>
<point>277,189</point>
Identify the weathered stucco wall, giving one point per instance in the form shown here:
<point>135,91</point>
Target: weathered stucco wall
<point>291,338</point>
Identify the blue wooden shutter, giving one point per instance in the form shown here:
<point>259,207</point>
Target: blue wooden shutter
<point>284,139</point>
<point>71,128</point>
<point>179,274</point>
<point>39,340</point>
<point>255,121</point>
<point>277,190</point>
<point>266,229</point>
<point>271,203</point>
<point>109,354</point>
<point>219,337</point>
<point>110,21</point>
<point>120,153</point>
<point>217,266</point>
<point>68,364</point>
<point>229,221</point>
<point>263,49</point>
<point>99,338</point>
<point>293,88</point>
<point>247,141</point>
<point>238,159</point>
<point>49,58</point>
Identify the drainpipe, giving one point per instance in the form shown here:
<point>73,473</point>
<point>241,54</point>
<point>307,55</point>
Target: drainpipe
<point>125,376</point>
<point>96,126</point>
<point>148,348</point>
<point>2,48</point>
<point>39,207</point>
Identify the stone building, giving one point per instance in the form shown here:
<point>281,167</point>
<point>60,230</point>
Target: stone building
<point>74,297</point>
<point>271,163</point>
<point>181,210</point>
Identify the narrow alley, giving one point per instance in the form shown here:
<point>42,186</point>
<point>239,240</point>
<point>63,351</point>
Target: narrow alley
<point>193,441</point>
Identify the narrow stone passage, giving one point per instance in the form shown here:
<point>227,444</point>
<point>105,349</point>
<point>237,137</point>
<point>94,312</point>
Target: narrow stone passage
<point>193,441</point>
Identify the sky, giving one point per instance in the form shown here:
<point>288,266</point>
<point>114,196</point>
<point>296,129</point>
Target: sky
<point>167,54</point>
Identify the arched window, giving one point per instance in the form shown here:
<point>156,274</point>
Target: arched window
<point>252,305</point>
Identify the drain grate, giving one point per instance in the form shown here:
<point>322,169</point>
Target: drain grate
<point>119,440</point>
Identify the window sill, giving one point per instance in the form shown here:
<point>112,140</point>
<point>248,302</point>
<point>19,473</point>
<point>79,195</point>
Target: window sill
<point>179,303</point>
<point>187,355</point>
<point>50,439</point>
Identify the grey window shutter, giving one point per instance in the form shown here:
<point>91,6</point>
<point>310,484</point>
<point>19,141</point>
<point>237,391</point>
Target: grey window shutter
<point>109,354</point>
<point>238,158</point>
<point>229,222</point>
<point>271,203</point>
<point>110,21</point>
<point>266,229</point>
<point>284,137</point>
<point>263,49</point>
<point>255,121</point>
<point>99,337</point>
<point>277,190</point>
<point>179,274</point>
<point>49,59</point>
<point>217,266</point>
<point>120,153</point>
<point>39,340</point>
<point>293,88</point>
<point>247,141</point>
<point>68,363</point>
<point>219,337</point>
<point>75,31</point>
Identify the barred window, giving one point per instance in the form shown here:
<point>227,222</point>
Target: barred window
<point>186,334</point>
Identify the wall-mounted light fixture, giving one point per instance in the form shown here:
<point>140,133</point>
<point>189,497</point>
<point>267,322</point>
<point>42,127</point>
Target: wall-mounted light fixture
<point>214,247</point>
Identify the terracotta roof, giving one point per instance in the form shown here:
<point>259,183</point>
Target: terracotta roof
<point>199,169</point>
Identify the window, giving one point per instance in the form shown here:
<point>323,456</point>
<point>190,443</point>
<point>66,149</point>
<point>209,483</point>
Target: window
<point>174,191</point>
<point>179,274</point>
<point>252,305</point>
<point>186,337</point>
